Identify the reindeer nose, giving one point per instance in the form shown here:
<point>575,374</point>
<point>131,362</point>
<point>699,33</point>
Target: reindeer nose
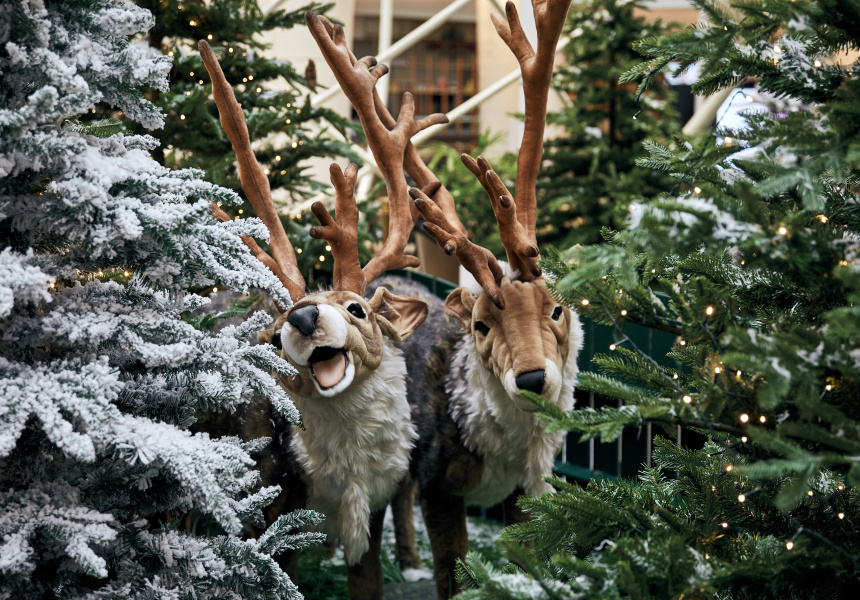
<point>531,381</point>
<point>304,318</point>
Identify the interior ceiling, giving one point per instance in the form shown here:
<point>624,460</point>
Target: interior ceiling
<point>416,9</point>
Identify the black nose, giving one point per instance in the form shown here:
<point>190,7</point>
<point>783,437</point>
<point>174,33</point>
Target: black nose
<point>304,318</point>
<point>531,381</point>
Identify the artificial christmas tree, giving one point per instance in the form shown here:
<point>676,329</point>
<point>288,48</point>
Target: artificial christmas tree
<point>101,371</point>
<point>751,260</point>
<point>589,174</point>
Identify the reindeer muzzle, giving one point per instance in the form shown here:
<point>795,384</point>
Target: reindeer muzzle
<point>304,318</point>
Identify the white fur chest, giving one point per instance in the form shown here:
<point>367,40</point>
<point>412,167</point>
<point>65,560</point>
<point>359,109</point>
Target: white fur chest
<point>355,450</point>
<point>514,445</point>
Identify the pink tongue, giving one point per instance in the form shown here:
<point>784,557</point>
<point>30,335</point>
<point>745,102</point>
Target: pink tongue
<point>330,372</point>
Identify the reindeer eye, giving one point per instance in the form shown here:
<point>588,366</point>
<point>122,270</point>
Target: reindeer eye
<point>556,313</point>
<point>481,327</point>
<point>276,340</point>
<point>356,310</point>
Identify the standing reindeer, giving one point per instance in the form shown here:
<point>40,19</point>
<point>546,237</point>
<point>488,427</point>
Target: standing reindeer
<point>353,452</point>
<point>479,441</point>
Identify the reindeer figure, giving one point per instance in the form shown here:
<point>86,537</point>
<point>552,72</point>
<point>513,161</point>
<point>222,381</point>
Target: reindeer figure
<point>479,442</point>
<point>353,452</point>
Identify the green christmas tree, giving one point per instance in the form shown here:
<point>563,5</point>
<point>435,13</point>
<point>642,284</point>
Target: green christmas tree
<point>590,175</point>
<point>751,259</point>
<point>286,129</point>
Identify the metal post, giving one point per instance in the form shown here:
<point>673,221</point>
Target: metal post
<point>386,31</point>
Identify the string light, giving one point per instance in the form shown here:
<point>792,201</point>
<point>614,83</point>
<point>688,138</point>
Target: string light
<point>744,418</point>
<point>241,211</point>
<point>182,117</point>
<point>215,289</point>
<point>782,231</point>
<point>585,302</point>
<point>828,387</point>
<point>729,468</point>
<point>191,74</point>
<point>294,145</point>
<point>749,98</point>
<point>209,37</point>
<point>126,273</point>
<point>809,493</point>
<point>278,157</point>
<point>724,525</point>
<point>841,515</point>
<point>789,545</point>
<point>822,218</point>
<point>817,63</point>
<point>742,498</point>
<point>612,346</point>
<point>193,23</point>
<point>697,189</point>
<point>298,250</point>
<point>717,370</point>
<point>250,78</point>
<point>683,343</point>
<point>674,376</point>
<point>762,418</point>
<point>259,90</point>
<point>623,313</point>
<point>687,399</point>
<point>744,439</point>
<point>777,49</point>
<point>288,121</point>
<point>322,258</point>
<point>709,311</point>
<point>328,248</point>
<point>230,50</point>
<point>840,487</point>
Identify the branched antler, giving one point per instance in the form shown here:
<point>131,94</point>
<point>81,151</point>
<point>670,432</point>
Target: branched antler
<point>342,236</point>
<point>254,182</point>
<point>388,139</point>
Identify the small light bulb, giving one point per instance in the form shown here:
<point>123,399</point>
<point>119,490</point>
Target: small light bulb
<point>328,248</point>
<point>742,498</point>
<point>322,258</point>
<point>192,73</point>
<point>259,90</point>
<point>170,53</point>
<point>841,515</point>
<point>193,23</point>
<point>749,98</point>
<point>126,273</point>
<point>777,50</point>
<point>634,117</point>
<point>840,487</point>
<point>623,313</point>
<point>674,376</point>
<point>738,373</point>
<point>278,157</point>
<point>717,370</point>
<point>200,82</point>
<point>744,418</point>
<point>762,418</point>
<point>244,80</point>
<point>182,117</point>
<point>817,63</point>
<point>687,399</point>
<point>809,493</point>
<point>789,545</point>
<point>828,387</point>
<point>683,343</point>
<point>214,289</point>
<point>612,346</point>
<point>294,145</point>
<point>283,172</point>
<point>782,231</point>
<point>250,78</point>
<point>585,301</point>
<point>288,121</point>
<point>241,211</point>
<point>229,50</point>
<point>822,218</point>
<point>744,439</point>
<point>729,468</point>
<point>724,524</point>
<point>697,189</point>
<point>727,141</point>
<point>709,311</point>
<point>209,37</point>
<point>298,250</point>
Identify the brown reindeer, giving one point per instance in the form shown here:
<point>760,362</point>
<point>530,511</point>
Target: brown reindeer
<point>353,452</point>
<point>479,441</point>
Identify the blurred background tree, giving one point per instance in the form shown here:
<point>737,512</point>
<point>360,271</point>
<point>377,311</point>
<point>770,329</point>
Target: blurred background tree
<point>589,175</point>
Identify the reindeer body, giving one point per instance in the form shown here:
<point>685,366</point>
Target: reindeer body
<point>354,451</point>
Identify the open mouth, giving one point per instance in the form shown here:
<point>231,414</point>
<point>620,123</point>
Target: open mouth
<point>328,366</point>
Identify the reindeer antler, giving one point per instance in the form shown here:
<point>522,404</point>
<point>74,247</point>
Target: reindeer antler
<point>254,182</point>
<point>387,141</point>
<point>516,219</point>
<point>342,236</point>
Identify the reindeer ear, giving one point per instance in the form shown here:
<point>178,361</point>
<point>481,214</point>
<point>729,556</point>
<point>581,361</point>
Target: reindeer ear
<point>398,316</point>
<point>459,304</point>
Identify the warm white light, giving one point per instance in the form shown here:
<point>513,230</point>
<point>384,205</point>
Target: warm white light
<point>777,50</point>
<point>724,524</point>
<point>259,90</point>
<point>741,498</point>
<point>809,493</point>
<point>612,346</point>
<point>729,468</point>
<point>828,387</point>
<point>749,98</point>
<point>762,418</point>
<point>295,145</point>
<point>789,545</point>
<point>127,273</point>
<point>675,376</point>
<point>209,37</point>
<point>709,311</point>
<point>182,117</point>
<point>817,63</point>
<point>214,289</point>
<point>241,211</point>
<point>822,218</point>
<point>250,78</point>
<point>687,399</point>
<point>229,50</point>
<point>192,73</point>
<point>683,343</point>
<point>328,248</point>
<point>744,439</point>
<point>717,370</point>
<point>322,258</point>
<point>697,189</point>
<point>298,250</point>
<point>782,231</point>
<point>744,418</point>
<point>585,301</point>
<point>278,157</point>
<point>623,313</point>
<point>841,515</point>
<point>193,23</point>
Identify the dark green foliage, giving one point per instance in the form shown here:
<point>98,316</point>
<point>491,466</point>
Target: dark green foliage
<point>757,274</point>
<point>590,174</point>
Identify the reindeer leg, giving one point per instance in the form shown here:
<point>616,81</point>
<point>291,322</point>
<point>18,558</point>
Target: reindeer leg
<point>402,506</point>
<point>364,579</point>
<point>445,517</point>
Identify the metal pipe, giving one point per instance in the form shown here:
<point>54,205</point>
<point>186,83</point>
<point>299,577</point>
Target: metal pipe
<point>386,31</point>
<point>403,44</point>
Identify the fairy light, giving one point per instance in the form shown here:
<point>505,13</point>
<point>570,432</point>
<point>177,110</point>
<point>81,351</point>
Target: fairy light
<point>278,157</point>
<point>322,258</point>
<point>191,74</point>
<point>782,231</point>
<point>697,189</point>
<point>230,50</point>
<point>288,121</point>
<point>822,218</point>
<point>709,311</point>
<point>749,98</point>
<point>585,302</point>
<point>762,419</point>
<point>744,418</point>
<point>789,545</point>
<point>687,399</point>
<point>259,90</point>
<point>328,248</point>
<point>738,374</point>
<point>717,370</point>
<point>729,468</point>
<point>209,37</point>
<point>294,145</point>
<point>298,250</point>
<point>683,342</point>
<point>674,376</point>
<point>724,525</point>
<point>828,387</point>
<point>170,53</point>
<point>250,78</point>
<point>283,172</point>
<point>612,346</point>
<point>241,211</point>
<point>244,80</point>
<point>193,23</point>
<point>841,515</point>
<point>809,493</point>
<point>182,117</point>
<point>623,313</point>
<point>200,82</point>
<point>777,49</point>
<point>817,63</point>
<point>215,289</point>
<point>744,439</point>
<point>126,273</point>
<point>742,498</point>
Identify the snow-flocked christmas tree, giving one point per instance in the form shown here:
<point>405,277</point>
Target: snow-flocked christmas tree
<point>101,370</point>
<point>753,261</point>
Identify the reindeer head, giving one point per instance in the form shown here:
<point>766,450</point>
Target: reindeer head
<point>521,334</point>
<point>334,338</point>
